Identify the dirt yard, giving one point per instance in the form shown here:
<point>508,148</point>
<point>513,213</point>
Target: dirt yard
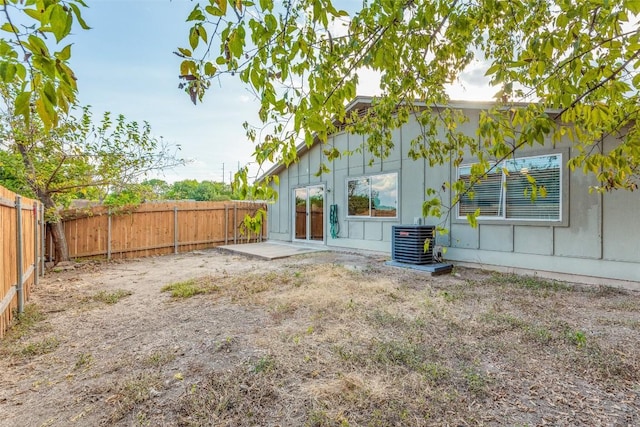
<point>329,339</point>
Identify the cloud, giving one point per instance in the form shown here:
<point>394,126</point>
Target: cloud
<point>475,77</point>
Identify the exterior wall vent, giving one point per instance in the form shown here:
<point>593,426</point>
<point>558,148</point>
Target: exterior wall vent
<point>407,244</point>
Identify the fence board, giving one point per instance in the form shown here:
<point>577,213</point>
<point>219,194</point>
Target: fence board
<point>150,229</point>
<point>30,252</point>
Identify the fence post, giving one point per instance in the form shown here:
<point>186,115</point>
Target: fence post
<point>226,224</point>
<point>19,289</point>
<point>175,229</point>
<point>109,234</point>
<point>235,224</point>
<point>36,264</point>
<point>262,225</point>
<point>50,249</point>
<point>43,239</point>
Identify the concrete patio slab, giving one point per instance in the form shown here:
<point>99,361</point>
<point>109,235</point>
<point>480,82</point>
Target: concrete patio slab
<point>272,250</point>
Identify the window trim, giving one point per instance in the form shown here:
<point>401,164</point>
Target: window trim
<point>348,217</point>
<point>563,200</point>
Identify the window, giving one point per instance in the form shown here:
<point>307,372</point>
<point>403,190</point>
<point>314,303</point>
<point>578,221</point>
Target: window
<point>528,188</point>
<point>374,196</point>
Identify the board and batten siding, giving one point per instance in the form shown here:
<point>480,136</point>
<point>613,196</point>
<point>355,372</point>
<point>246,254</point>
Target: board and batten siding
<point>598,235</point>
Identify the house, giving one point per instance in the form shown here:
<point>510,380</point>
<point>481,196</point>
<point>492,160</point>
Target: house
<point>571,231</point>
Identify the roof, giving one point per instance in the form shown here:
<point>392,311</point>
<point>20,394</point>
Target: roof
<point>362,103</point>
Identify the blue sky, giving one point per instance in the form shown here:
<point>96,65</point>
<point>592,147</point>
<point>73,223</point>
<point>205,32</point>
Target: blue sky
<point>125,65</point>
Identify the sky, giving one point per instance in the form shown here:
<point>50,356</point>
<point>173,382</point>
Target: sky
<point>125,65</point>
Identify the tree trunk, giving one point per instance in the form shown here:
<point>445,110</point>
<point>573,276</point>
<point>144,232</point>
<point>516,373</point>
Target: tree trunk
<point>42,192</point>
<point>60,246</point>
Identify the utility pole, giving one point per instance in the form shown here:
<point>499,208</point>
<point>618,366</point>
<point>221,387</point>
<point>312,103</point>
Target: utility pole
<point>223,173</point>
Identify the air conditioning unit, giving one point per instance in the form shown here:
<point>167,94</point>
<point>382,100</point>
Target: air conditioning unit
<point>407,244</point>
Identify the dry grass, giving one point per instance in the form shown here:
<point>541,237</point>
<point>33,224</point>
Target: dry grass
<point>131,392</point>
<point>386,347</point>
<point>315,342</point>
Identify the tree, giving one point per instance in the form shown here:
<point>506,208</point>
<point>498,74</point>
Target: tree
<point>574,64</point>
<point>76,159</point>
<point>158,188</point>
<point>200,191</point>
<point>46,85</point>
<point>38,85</point>
<point>44,150</point>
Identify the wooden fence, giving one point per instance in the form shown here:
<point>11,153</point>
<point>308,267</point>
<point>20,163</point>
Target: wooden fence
<point>156,229</point>
<point>21,260</point>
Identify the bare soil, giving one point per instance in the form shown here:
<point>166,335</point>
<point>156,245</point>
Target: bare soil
<point>329,339</point>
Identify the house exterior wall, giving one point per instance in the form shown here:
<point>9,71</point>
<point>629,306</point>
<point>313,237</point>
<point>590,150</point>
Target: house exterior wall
<point>597,236</point>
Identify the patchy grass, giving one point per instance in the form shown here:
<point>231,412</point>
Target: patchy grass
<point>322,344</point>
<point>346,348</point>
<point>529,282</point>
<point>85,360</point>
<point>24,325</point>
<point>159,358</point>
<point>38,348</point>
<point>190,288</point>
<point>129,393</point>
<point>111,297</point>
<point>25,322</point>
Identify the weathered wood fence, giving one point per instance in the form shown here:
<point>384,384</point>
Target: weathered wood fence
<point>21,260</point>
<point>156,229</point>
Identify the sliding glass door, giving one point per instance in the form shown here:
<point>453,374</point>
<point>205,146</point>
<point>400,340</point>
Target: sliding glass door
<point>308,215</point>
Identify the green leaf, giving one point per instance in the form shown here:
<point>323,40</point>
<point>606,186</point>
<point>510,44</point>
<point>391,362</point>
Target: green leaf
<point>21,105</point>
<point>543,191</point>
<point>633,6</point>
<point>209,69</point>
<point>58,18</point>
<point>50,93</point>
<point>213,10</point>
<point>196,14</point>
<point>472,218</point>
<point>76,12</point>
<point>8,71</point>
<point>266,5</point>
<point>35,14</point>
<point>186,67</point>
<point>203,33</point>
<point>194,37</point>
<point>64,54</point>
<point>9,28</point>
<point>235,45</point>
<point>270,22</point>
<point>222,4</point>
<point>37,46</point>
<point>46,112</point>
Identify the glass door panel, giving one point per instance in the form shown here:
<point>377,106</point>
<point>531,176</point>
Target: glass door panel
<point>316,213</point>
<point>300,214</point>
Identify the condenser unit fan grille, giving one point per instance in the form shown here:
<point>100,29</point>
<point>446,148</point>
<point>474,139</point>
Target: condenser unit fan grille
<point>408,242</point>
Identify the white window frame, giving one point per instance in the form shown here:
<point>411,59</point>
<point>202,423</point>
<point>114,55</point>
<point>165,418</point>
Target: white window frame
<point>502,197</point>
